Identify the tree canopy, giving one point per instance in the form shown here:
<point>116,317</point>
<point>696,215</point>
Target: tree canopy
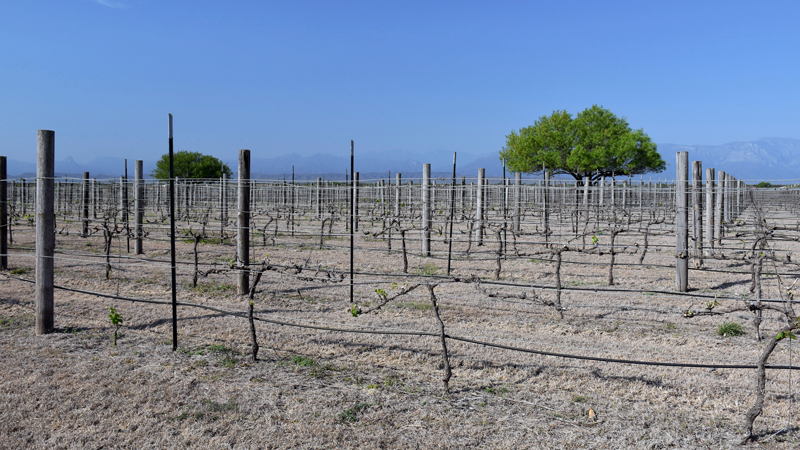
<point>188,164</point>
<point>594,144</point>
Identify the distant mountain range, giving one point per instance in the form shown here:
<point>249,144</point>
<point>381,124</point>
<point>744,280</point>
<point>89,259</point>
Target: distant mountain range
<point>760,160</point>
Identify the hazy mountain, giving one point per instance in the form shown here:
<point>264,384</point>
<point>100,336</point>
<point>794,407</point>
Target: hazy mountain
<point>760,160</point>
<point>103,167</point>
<point>369,165</point>
<point>763,159</point>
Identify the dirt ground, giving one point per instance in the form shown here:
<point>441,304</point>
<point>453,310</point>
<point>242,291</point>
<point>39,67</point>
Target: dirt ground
<point>323,389</point>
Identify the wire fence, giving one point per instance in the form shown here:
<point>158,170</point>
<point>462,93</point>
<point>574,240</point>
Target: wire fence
<point>601,252</point>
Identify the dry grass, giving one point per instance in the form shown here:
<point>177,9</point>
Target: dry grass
<point>315,389</point>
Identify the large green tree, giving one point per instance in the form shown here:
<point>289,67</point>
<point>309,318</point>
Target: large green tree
<point>594,144</point>
<point>190,165</point>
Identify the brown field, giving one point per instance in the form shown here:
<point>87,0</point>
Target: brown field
<point>323,389</point>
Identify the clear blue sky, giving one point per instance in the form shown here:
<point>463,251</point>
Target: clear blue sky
<point>306,77</point>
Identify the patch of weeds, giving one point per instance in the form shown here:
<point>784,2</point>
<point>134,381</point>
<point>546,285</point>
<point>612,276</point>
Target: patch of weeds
<point>21,271</point>
<point>648,293</point>
<point>496,390</point>
<point>200,363</point>
<point>148,280</point>
<point>579,399</point>
<point>670,326</point>
<point>210,410</point>
<point>302,361</point>
<point>180,417</point>
<point>322,371</point>
<point>218,348</point>
<point>350,415</point>
<point>392,380</point>
<point>23,321</point>
<point>730,329</point>
<point>372,386</point>
<point>357,380</point>
<point>213,406</point>
<point>420,306</point>
<point>428,268</point>
<point>229,361</point>
<point>227,356</point>
<point>70,329</point>
<point>211,287</point>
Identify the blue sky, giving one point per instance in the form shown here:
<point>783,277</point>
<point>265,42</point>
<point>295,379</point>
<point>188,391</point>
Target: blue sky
<point>306,77</point>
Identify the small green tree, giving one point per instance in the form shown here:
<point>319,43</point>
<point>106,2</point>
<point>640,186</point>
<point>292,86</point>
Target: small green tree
<point>596,143</point>
<point>116,320</point>
<point>188,164</point>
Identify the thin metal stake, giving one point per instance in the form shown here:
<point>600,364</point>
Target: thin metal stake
<point>172,239</point>
<point>452,213</point>
<point>352,216</point>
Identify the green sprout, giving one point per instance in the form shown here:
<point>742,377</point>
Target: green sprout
<point>785,334</point>
<point>116,320</point>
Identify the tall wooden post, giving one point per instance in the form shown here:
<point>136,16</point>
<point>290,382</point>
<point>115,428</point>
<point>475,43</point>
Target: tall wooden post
<point>479,206</point>
<point>138,203</point>
<point>243,223</point>
<point>601,198</point>
<point>517,201</point>
<point>719,198</point>
<point>85,205</point>
<point>697,211</point>
<point>3,213</point>
<point>397,181</point>
<point>586,196</point>
<point>426,210</point>
<point>223,206</point>
<point>45,230</point>
<point>463,193</point>
<point>319,197</point>
<point>709,211</point>
<point>546,207</point>
<point>94,198</point>
<point>355,200</point>
<point>682,222</point>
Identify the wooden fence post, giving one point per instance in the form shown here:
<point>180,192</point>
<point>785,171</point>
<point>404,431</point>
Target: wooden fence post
<point>718,201</point>
<point>479,204</point>
<point>546,207</point>
<point>426,210</point>
<point>3,213</point>
<point>355,200</point>
<point>85,199</point>
<point>517,201</point>
<point>682,222</point>
<point>398,180</point>
<point>709,211</point>
<point>319,197</point>
<point>45,230</point>
<point>697,211</point>
<point>223,206</point>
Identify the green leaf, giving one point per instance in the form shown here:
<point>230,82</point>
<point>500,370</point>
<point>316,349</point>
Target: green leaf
<point>785,334</point>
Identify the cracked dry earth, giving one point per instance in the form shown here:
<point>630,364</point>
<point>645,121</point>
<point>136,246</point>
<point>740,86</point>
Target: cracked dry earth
<point>323,389</point>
